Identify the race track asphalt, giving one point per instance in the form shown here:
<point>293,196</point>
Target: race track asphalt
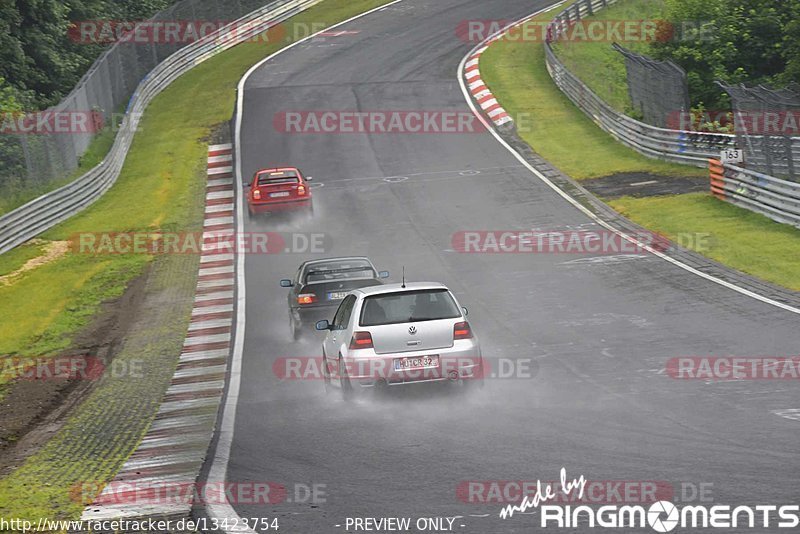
<point>597,330</point>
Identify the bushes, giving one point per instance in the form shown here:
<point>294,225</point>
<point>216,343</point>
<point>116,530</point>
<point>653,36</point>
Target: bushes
<point>37,57</point>
<point>743,41</point>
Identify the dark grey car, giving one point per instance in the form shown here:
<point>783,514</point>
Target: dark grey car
<point>320,285</point>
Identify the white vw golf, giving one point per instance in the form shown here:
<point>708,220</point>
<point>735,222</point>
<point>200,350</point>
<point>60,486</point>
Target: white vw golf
<point>399,334</point>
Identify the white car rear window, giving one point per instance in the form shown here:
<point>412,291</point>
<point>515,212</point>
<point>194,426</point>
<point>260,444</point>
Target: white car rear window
<point>408,306</point>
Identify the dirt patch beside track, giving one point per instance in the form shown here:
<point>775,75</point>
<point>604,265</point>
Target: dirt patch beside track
<point>53,250</point>
<point>33,410</point>
<point>641,184</point>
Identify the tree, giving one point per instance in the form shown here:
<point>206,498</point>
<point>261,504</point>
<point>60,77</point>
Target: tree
<point>37,56</point>
<point>738,41</point>
<point>791,47</point>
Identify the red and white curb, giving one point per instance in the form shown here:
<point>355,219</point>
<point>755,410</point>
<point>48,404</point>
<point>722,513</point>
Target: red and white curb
<point>479,91</point>
<point>472,72</point>
<point>175,446</point>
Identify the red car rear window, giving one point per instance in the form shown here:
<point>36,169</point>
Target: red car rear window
<point>274,178</point>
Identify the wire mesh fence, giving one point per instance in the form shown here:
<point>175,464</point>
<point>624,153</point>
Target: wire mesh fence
<point>38,148</point>
<point>48,210</point>
<point>767,123</point>
<point>658,89</point>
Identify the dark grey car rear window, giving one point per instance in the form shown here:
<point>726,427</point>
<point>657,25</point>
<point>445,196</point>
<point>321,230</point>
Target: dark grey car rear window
<point>340,270</point>
<point>408,306</point>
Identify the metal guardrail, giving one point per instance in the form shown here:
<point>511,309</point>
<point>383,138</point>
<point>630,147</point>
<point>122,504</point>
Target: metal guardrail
<point>777,199</point>
<point>688,147</point>
<point>43,213</point>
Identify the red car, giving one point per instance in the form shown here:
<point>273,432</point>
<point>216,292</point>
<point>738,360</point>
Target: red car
<point>283,189</point>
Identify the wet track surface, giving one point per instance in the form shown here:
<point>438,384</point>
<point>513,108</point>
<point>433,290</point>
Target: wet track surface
<point>598,330</point>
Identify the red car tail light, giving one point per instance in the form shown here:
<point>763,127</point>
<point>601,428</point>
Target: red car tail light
<point>462,330</point>
<point>257,194</point>
<point>361,340</point>
<point>301,190</point>
<point>306,298</point>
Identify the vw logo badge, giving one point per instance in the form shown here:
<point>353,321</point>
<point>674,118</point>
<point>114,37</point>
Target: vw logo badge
<point>412,329</point>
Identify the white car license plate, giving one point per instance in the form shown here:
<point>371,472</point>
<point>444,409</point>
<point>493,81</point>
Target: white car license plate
<point>278,195</point>
<point>337,295</point>
<point>416,362</point>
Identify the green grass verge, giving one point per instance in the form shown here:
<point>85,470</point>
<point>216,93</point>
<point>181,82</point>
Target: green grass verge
<point>516,73</point>
<point>161,187</point>
<point>739,238</point>
<point>601,67</point>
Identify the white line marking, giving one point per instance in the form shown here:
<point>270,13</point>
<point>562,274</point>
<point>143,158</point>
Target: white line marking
<point>195,387</point>
<point>177,422</point>
<point>208,310</point>
<point>215,252</point>
<point>227,294</point>
<point>791,413</point>
<point>216,249</point>
<point>212,323</point>
<point>202,340</point>
<point>605,259</point>
<point>200,371</point>
<point>222,452</point>
<point>218,220</point>
<point>174,406</point>
<point>211,235</point>
<point>219,170</point>
<point>216,257</point>
<point>205,284</point>
<point>219,181</point>
<point>216,148</point>
<point>184,438</point>
<point>648,182</point>
<point>495,112</point>
<point>219,194</point>
<point>219,207</point>
<point>588,212</point>
<point>215,270</point>
<point>203,355</point>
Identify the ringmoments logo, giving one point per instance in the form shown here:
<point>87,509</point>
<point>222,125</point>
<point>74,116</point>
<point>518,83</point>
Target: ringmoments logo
<point>660,516</point>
